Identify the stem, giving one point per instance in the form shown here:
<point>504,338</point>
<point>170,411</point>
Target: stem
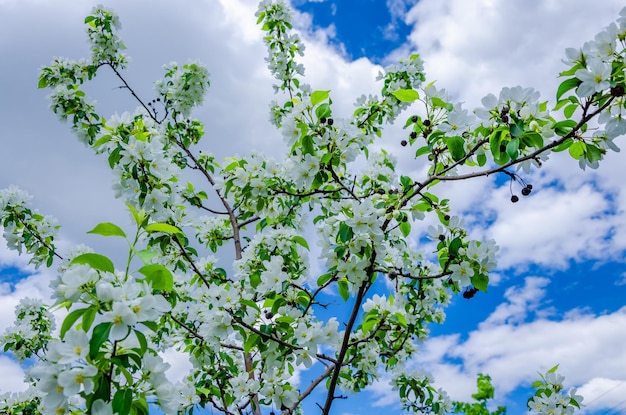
<point>38,237</point>
<point>586,118</point>
<point>344,348</point>
<point>308,390</point>
<point>132,92</point>
<point>130,252</point>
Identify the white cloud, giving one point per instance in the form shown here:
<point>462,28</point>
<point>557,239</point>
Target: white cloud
<point>588,348</point>
<point>513,353</point>
<point>521,301</point>
<point>604,394</point>
<point>12,376</point>
<point>33,286</point>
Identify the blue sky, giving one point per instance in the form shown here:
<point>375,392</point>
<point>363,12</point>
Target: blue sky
<point>366,28</point>
<point>559,293</point>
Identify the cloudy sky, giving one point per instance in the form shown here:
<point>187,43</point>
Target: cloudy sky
<point>561,283</point>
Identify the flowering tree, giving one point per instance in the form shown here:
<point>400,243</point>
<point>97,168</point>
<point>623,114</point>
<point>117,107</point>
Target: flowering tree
<point>249,327</point>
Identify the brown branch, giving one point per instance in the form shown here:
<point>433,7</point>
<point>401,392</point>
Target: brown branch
<point>343,186</point>
<point>132,92</point>
<point>308,390</point>
<point>38,237</point>
<point>586,118</point>
<point>330,397</point>
<point>414,277</point>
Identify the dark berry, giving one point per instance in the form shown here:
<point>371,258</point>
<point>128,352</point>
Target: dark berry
<point>323,120</point>
<point>514,198</point>
<point>525,191</point>
<point>442,238</point>
<point>446,217</point>
<point>470,292</point>
<point>413,134</point>
<point>405,218</point>
<point>414,119</point>
<point>331,121</point>
<point>505,119</point>
<point>617,91</point>
<point>403,143</point>
<point>529,186</point>
<point>426,123</point>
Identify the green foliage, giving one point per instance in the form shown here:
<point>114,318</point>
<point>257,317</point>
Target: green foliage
<point>485,392</point>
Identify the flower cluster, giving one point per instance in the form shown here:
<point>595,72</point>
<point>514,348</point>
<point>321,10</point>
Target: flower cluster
<point>26,229</point>
<point>105,43</point>
<point>282,45</point>
<point>31,331</point>
<point>183,88</point>
<point>550,397</point>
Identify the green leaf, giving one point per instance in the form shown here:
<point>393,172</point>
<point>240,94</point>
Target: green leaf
<point>563,146</point>
<point>593,154</point>
<point>89,317</point>
<point>456,145</point>
<point>89,19</point>
<point>455,245</point>
<point>99,336</point>
<point>102,140</point>
<point>405,228</point>
<point>480,281</point>
<point>421,151</point>
<point>301,241</point>
<point>122,401</point>
<point>143,343</point>
<point>567,85</point>
<point>345,232</point>
<point>319,96</point>
<point>554,369</point>
<point>344,290</point>
<point>440,103</point>
<point>370,322</point>
<point>406,95</point>
<point>138,216</point>
<point>160,277</point>
<point>495,139</point>
<point>43,82</point>
<point>532,139</point>
<point>569,110</point>
<point>108,229</point>
<point>95,261</point>
<point>163,227</point>
<point>308,146</point>
<point>231,166</point>
<point>146,255</point>
<point>517,129</point>
<point>577,150</point>
<point>323,111</point>
<point>564,127</point>
<point>512,148</point>
<point>323,279</point>
<point>252,340</point>
<point>481,159</point>
<point>70,319</point>
<point>151,325</point>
